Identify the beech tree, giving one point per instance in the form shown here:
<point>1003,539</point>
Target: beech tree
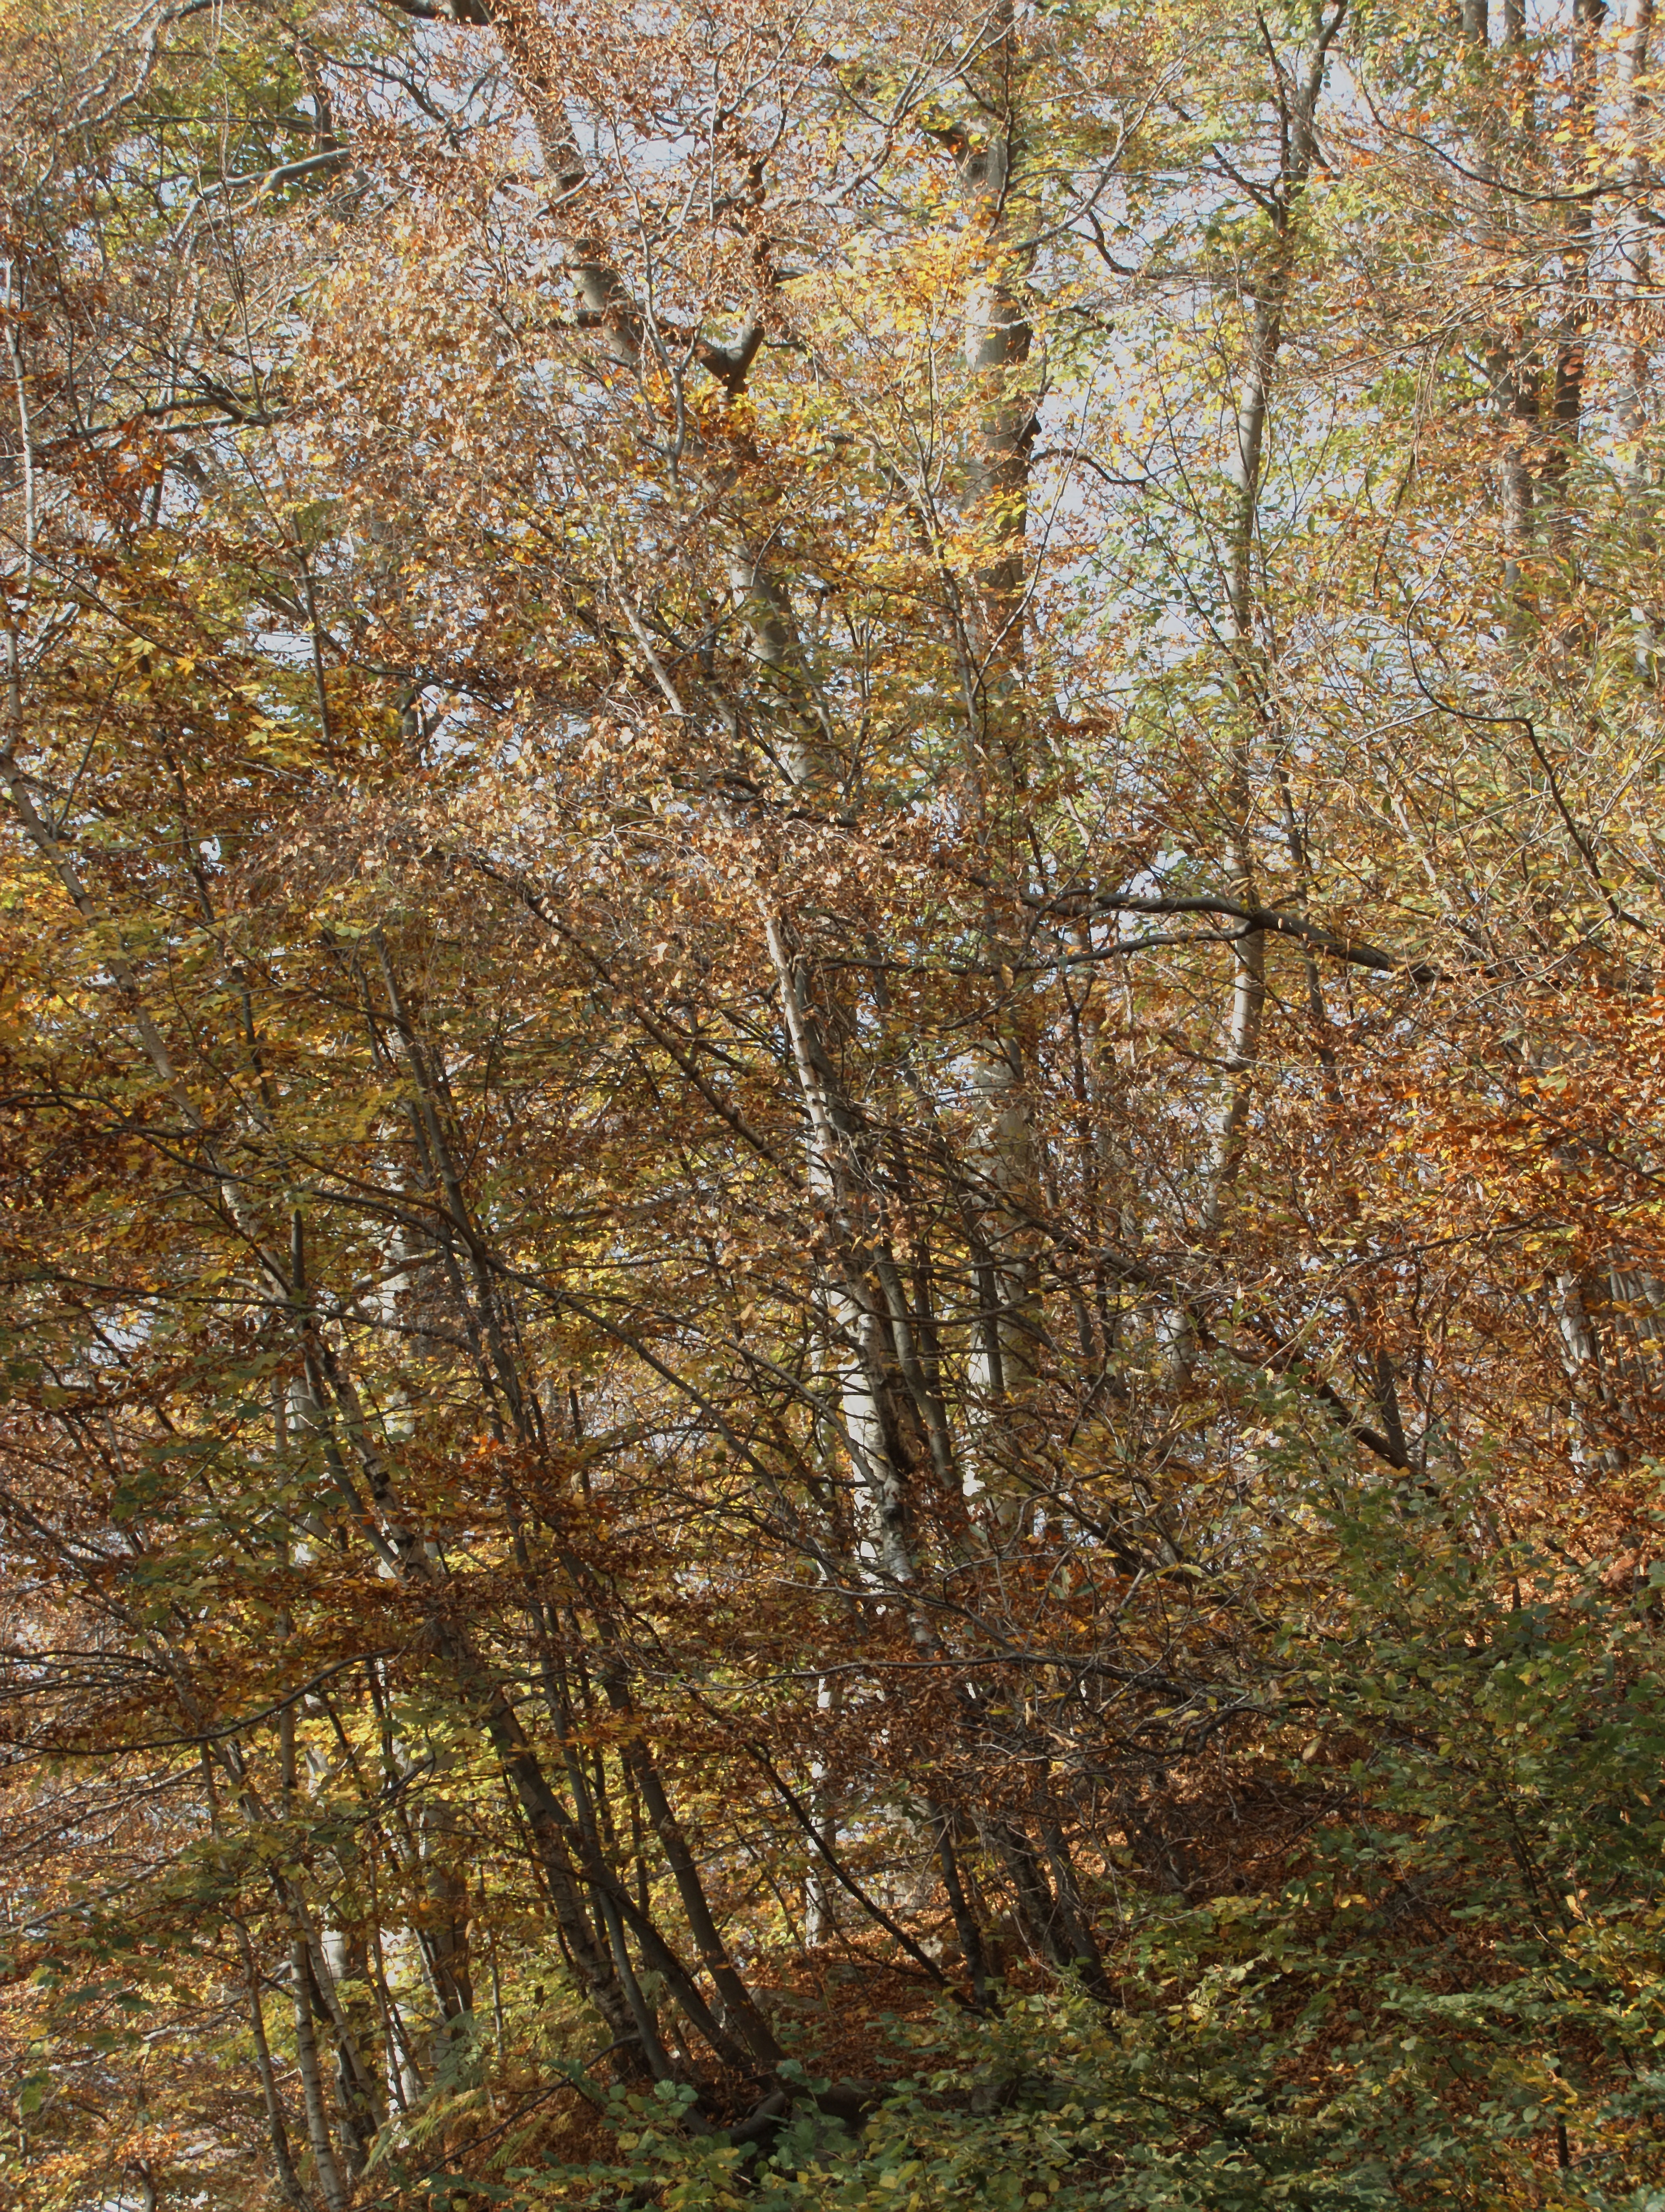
<point>831,1067</point>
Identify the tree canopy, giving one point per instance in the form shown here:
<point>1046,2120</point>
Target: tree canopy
<point>831,1105</point>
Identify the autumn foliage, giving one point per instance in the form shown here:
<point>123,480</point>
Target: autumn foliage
<point>831,1106</point>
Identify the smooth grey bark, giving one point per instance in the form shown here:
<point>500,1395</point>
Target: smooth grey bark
<point>806,751</point>
<point>856,1346</point>
<point>1564,423</point>
<point>1244,469</point>
<point>1635,283</point>
<point>999,339</point>
<point>301,1994</point>
<point>1268,291</point>
<point>312,2080</point>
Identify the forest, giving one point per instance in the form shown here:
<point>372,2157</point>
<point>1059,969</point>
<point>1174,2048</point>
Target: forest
<point>831,1105</point>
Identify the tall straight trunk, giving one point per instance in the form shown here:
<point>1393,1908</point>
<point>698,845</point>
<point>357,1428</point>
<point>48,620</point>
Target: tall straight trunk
<point>1249,718</point>
<point>1635,258</point>
<point>1635,287</point>
<point>1268,292</point>
<point>340,1964</point>
<point>311,2079</point>
<point>998,341</point>
<point>860,1352</point>
<point>277,2127</point>
<point>805,752</point>
<point>1515,389</point>
<point>447,1920</point>
<point>1516,384</point>
<point>1566,394</point>
<point>300,1992</point>
<point>818,1921</point>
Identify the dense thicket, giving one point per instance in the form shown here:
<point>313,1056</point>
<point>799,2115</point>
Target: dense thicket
<point>832,1104</point>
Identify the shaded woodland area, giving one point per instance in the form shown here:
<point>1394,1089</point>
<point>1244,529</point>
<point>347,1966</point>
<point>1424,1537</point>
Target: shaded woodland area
<point>831,1106</point>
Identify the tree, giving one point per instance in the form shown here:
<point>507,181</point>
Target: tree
<point>831,1037</point>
